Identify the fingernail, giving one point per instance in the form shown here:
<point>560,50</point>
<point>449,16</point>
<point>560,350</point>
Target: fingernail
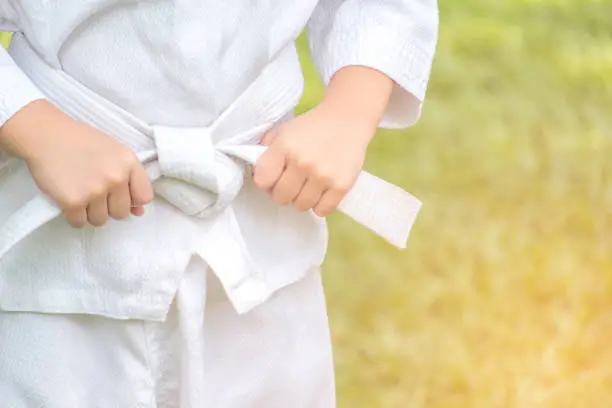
<point>138,211</point>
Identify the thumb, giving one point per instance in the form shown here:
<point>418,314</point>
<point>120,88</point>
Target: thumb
<point>269,168</point>
<point>270,136</point>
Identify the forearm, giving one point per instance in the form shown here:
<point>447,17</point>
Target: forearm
<point>361,94</point>
<point>394,37</point>
<point>23,132</point>
<point>21,103</point>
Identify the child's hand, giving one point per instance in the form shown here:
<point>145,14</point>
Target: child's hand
<point>313,160</point>
<point>87,173</point>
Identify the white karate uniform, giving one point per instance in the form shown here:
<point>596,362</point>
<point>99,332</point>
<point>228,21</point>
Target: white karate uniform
<point>213,298</point>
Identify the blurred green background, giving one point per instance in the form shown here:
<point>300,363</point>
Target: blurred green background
<point>504,295</point>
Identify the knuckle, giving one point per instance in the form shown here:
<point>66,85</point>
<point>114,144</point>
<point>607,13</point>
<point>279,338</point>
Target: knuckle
<point>127,159</point>
<point>305,164</point>
<point>96,190</point>
<point>324,177</point>
<point>282,143</point>
<point>73,201</point>
<point>116,178</point>
<point>341,186</point>
<point>271,135</point>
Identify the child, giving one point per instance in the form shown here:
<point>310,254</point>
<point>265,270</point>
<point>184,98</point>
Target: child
<point>174,278</point>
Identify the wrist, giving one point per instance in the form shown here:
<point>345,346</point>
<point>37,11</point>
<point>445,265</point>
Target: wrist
<point>356,126</point>
<point>359,94</point>
<point>22,134</point>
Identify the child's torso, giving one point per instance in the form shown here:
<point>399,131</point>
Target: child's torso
<point>171,62</point>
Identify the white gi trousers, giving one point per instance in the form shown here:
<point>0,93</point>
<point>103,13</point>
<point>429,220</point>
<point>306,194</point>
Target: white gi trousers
<point>204,355</point>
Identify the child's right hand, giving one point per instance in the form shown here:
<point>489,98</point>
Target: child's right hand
<point>88,174</point>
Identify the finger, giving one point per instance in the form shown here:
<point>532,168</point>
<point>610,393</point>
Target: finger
<point>141,190</point>
<point>288,185</point>
<point>269,137</point>
<point>138,211</point>
<point>97,211</point>
<point>309,196</point>
<point>119,202</point>
<point>76,217</point>
<point>329,202</point>
<point>269,168</point>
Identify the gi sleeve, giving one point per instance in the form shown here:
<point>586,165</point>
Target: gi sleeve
<point>16,89</point>
<point>395,37</point>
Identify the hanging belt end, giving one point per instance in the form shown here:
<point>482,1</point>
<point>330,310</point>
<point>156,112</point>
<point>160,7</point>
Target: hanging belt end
<point>383,207</point>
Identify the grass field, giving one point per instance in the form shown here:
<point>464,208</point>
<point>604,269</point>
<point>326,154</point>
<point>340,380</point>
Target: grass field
<point>504,295</point>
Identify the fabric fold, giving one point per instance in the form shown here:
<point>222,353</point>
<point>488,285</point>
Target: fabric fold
<point>201,170</point>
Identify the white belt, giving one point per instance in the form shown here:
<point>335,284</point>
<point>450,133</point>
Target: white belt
<point>201,170</point>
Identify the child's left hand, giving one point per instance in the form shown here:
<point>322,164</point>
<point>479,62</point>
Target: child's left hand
<point>314,159</point>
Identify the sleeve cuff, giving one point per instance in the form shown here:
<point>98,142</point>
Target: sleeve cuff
<point>389,51</point>
<point>16,91</point>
